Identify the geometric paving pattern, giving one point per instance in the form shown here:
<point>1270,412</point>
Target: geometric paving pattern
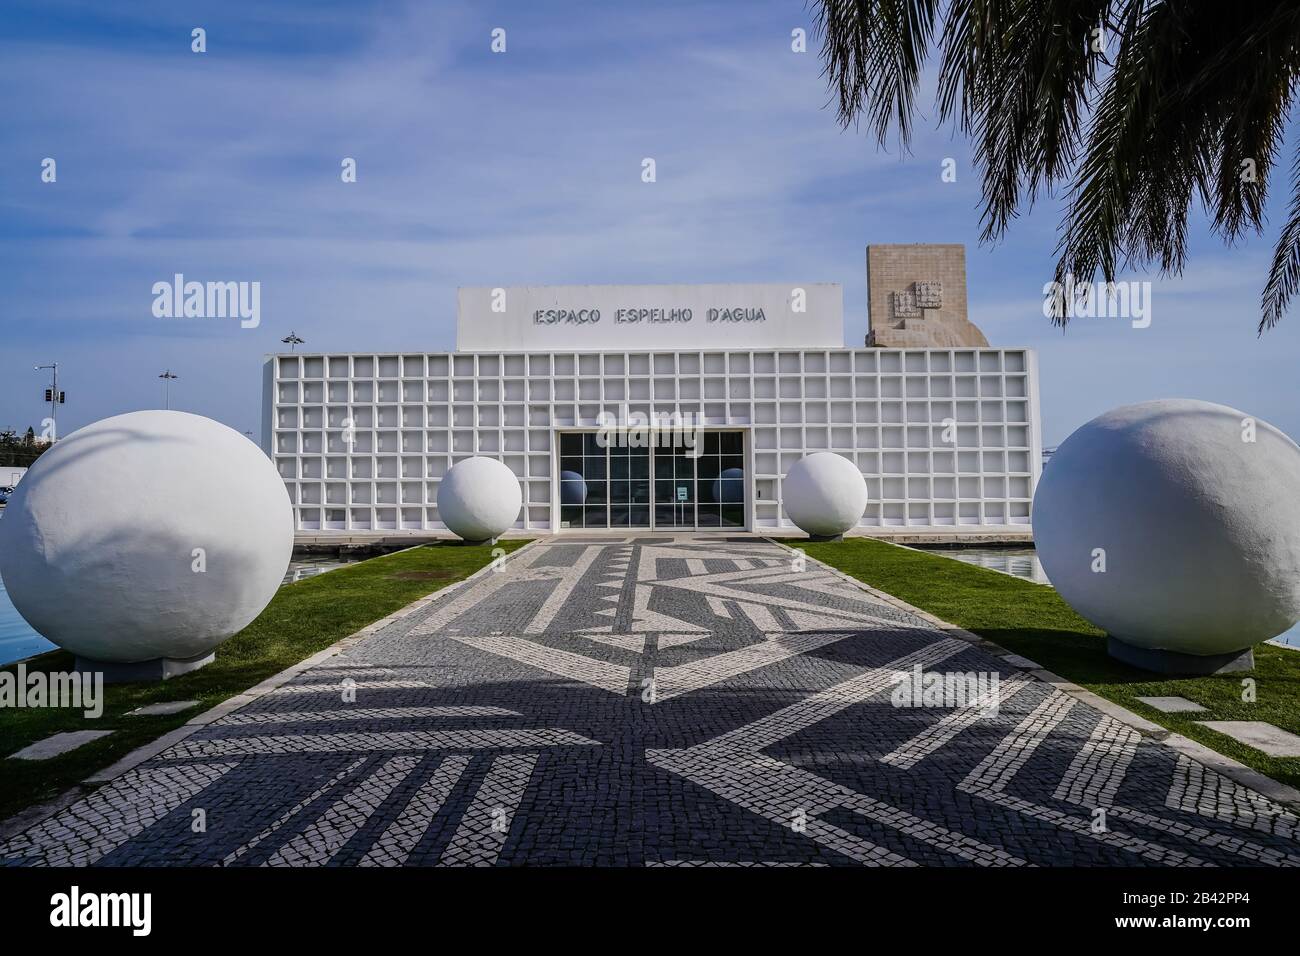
<point>657,701</point>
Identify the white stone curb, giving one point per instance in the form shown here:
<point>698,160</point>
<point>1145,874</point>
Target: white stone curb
<point>1232,769</point>
<point>33,815</point>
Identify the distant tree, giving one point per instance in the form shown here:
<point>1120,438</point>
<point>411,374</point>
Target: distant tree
<point>20,450</point>
<point>1137,107</point>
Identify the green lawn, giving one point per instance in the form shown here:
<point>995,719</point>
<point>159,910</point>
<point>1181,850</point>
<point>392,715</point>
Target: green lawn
<point>1032,620</point>
<point>301,619</point>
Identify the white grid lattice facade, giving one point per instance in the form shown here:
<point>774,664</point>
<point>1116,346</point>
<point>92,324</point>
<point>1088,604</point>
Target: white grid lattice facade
<point>943,437</point>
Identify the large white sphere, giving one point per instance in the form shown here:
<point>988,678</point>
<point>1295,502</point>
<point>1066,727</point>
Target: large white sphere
<point>824,494</point>
<point>98,543</point>
<point>1200,529</point>
<point>479,498</point>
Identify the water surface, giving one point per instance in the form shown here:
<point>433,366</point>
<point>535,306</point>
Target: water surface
<point>19,641</point>
<point>1024,563</point>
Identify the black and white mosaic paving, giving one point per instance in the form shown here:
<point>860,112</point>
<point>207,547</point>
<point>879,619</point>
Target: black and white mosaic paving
<point>656,701</point>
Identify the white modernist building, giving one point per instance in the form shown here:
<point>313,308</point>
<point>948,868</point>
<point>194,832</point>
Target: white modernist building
<point>944,437</point>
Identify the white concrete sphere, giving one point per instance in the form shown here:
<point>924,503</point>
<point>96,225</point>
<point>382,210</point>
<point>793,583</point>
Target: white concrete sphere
<point>98,543</point>
<point>824,494</point>
<point>1200,529</point>
<point>479,498</point>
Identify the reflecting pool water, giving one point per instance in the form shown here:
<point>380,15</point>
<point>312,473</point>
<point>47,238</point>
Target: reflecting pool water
<point>1024,563</point>
<point>19,641</point>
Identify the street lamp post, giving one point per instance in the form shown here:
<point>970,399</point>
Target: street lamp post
<point>167,378</point>
<point>55,398</point>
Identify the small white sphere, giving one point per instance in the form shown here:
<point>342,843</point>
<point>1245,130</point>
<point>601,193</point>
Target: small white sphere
<point>824,494</point>
<point>149,535</point>
<point>1194,509</point>
<point>479,498</point>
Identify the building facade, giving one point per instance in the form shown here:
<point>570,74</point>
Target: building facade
<point>944,437</point>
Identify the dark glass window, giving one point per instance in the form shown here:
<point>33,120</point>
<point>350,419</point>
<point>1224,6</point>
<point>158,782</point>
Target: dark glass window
<point>613,487</point>
<point>729,492</point>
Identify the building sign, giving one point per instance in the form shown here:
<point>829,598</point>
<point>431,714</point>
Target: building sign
<point>679,317</point>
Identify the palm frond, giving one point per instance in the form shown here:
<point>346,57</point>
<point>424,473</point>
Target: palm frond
<point>1184,104</point>
<point>1284,274</point>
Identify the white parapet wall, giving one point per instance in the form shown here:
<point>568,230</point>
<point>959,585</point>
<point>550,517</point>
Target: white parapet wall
<point>945,438</point>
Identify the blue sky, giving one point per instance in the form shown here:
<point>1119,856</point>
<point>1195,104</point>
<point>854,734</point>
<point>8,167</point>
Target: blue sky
<point>477,168</point>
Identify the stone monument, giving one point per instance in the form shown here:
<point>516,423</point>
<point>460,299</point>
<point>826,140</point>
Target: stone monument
<point>916,297</point>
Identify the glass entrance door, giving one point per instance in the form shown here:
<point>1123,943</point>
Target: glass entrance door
<point>602,487</point>
<point>705,490</point>
<point>629,487</point>
<point>621,487</point>
<point>720,481</point>
<point>674,488</point>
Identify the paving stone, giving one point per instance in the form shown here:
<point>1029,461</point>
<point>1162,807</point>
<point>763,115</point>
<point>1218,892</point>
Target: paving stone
<point>1015,660</point>
<point>664,701</point>
<point>1173,705</point>
<point>58,744</point>
<point>164,709</point>
<point>1264,737</point>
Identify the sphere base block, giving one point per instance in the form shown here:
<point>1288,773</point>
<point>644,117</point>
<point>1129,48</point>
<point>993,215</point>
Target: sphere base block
<point>826,537</point>
<point>160,668</point>
<point>1175,662</point>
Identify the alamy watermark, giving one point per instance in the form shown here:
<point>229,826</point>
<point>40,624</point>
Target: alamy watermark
<point>1098,300</point>
<point>953,690</point>
<point>179,299</point>
<point>651,430</point>
<point>78,691</point>
<point>133,911</point>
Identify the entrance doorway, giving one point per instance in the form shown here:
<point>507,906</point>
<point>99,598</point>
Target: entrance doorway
<point>612,487</point>
<point>705,490</point>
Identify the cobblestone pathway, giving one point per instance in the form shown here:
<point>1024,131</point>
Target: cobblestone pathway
<point>658,701</point>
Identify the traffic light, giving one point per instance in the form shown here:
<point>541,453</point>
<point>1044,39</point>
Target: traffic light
<point>62,397</point>
<point>49,394</point>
